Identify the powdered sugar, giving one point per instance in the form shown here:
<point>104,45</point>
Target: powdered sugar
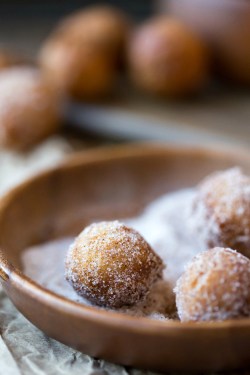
<point>165,225</point>
<point>162,224</point>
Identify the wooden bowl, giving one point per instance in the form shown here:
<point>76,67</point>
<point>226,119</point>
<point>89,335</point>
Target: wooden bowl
<point>225,26</point>
<point>105,184</point>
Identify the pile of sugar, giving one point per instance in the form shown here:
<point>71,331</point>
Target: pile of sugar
<point>164,224</point>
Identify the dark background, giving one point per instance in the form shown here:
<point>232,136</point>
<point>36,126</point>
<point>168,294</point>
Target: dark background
<point>25,23</point>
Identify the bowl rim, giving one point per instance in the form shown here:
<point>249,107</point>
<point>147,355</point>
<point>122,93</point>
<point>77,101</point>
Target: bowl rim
<point>143,325</point>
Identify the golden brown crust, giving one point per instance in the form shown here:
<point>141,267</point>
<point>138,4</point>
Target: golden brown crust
<point>29,108</point>
<point>222,210</point>
<point>82,56</point>
<point>83,73</point>
<point>105,27</point>
<point>166,58</point>
<point>112,265</point>
<point>214,286</point>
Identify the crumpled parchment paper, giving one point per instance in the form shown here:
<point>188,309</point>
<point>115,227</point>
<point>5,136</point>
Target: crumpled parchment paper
<point>15,167</point>
<point>24,349</point>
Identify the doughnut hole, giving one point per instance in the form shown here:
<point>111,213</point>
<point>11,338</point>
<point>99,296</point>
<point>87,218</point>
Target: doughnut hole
<point>29,108</point>
<point>112,265</point>
<point>84,73</point>
<point>106,27</point>
<point>221,210</point>
<point>167,59</point>
<point>84,54</point>
<point>214,286</point>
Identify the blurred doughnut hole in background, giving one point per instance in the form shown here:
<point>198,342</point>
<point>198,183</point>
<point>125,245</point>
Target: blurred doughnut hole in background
<point>89,52</point>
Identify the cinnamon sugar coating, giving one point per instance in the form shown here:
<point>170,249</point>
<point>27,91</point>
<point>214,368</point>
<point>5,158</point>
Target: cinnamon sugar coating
<point>112,265</point>
<point>214,286</point>
<point>29,107</point>
<point>221,210</point>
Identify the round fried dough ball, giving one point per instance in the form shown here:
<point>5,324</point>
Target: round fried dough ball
<point>166,58</point>
<point>112,265</point>
<point>82,72</point>
<point>83,54</point>
<point>214,286</point>
<point>29,108</point>
<point>105,27</point>
<point>221,210</point>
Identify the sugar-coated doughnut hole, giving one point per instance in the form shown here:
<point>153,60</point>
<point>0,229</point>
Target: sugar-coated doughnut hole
<point>29,107</point>
<point>83,55</point>
<point>106,27</point>
<point>166,58</point>
<point>221,210</point>
<point>82,73</point>
<point>112,265</point>
<point>214,286</point>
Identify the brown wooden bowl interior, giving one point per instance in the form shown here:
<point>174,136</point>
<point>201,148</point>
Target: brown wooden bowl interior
<point>107,184</point>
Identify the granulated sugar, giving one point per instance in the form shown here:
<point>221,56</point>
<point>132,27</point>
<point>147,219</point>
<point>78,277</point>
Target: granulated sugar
<point>163,224</point>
